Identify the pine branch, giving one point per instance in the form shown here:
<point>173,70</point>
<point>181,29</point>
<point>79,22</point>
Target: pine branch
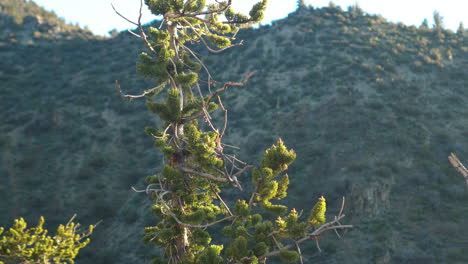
<point>206,44</point>
<point>332,225</point>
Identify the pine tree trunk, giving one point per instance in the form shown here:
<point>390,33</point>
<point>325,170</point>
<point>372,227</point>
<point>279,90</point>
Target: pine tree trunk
<point>181,242</point>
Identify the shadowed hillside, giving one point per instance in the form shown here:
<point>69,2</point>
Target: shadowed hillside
<point>372,109</point>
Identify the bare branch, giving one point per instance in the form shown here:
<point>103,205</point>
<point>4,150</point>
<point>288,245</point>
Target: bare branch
<point>141,13</point>
<point>128,20</point>
<point>252,197</point>
<point>242,170</point>
<point>227,84</point>
<point>132,97</point>
<point>223,130</point>
<point>318,246</point>
<point>342,206</point>
<point>148,189</point>
<point>456,163</point>
<point>220,90</point>
<point>229,146</point>
<point>71,220</point>
<point>142,32</point>
<point>140,27</point>
<point>221,199</point>
<point>133,33</point>
<point>300,253</point>
<point>210,79</point>
<point>203,174</point>
<point>233,157</point>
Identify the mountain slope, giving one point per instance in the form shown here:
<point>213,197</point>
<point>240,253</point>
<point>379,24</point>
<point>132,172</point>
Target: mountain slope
<point>372,109</point>
<point>27,23</point>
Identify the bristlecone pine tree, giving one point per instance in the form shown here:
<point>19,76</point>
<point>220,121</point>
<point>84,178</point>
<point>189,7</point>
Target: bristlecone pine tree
<point>186,193</point>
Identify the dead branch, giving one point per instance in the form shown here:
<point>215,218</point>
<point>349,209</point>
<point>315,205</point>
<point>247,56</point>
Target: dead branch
<point>223,130</point>
<point>221,199</point>
<point>220,90</point>
<point>456,163</point>
<point>140,27</point>
<point>242,170</point>
<point>203,174</point>
<point>133,33</point>
<point>210,78</point>
<point>251,200</point>
<point>128,20</point>
<point>299,251</point>
<point>132,97</point>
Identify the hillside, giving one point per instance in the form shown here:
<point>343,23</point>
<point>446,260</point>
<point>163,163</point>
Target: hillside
<point>23,21</point>
<point>372,109</point>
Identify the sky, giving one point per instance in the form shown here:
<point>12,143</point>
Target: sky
<point>100,18</point>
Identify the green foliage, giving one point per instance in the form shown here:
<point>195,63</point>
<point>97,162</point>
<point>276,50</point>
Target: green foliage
<point>231,15</point>
<point>25,245</point>
<point>257,11</point>
<point>159,7</point>
<point>169,110</point>
<point>189,64</point>
<point>282,188</point>
<point>289,256</point>
<point>278,158</point>
<point>242,208</point>
<point>186,80</point>
<point>159,36</point>
<point>275,160</point>
<point>150,68</point>
<point>238,249</point>
<point>317,216</point>
<point>261,248</point>
<point>202,146</point>
<point>194,6</point>
<point>219,41</point>
<point>211,255</point>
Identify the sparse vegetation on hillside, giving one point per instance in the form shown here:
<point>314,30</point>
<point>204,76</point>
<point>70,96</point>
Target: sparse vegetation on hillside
<point>372,109</point>
<point>20,9</point>
<point>25,22</point>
